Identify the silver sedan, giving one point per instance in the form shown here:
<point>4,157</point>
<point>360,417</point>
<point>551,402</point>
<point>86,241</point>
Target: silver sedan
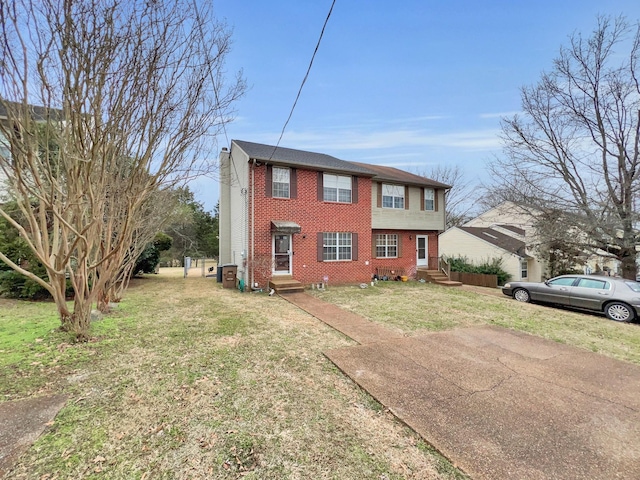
<point>618,298</point>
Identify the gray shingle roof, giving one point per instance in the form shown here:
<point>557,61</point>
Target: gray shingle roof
<point>498,239</point>
<point>321,161</point>
<point>392,174</point>
<point>37,112</point>
<point>301,158</point>
<point>512,228</point>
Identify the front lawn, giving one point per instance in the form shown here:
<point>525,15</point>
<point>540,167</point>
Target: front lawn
<point>416,308</point>
<point>188,380</point>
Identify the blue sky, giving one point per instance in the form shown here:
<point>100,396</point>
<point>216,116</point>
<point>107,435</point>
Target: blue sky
<point>408,84</point>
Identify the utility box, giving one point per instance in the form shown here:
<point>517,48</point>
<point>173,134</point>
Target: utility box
<point>229,273</point>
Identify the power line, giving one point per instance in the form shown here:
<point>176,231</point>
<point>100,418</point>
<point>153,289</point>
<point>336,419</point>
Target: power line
<point>303,80</point>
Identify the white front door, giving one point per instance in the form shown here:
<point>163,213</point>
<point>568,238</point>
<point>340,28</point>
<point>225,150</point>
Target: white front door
<point>422,251</point>
<point>281,254</point>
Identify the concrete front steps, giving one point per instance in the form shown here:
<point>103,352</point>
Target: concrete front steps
<point>436,276</point>
<point>285,284</point>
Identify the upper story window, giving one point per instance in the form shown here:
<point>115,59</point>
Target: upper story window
<point>429,199</point>
<point>281,182</point>
<point>336,188</point>
<point>392,196</point>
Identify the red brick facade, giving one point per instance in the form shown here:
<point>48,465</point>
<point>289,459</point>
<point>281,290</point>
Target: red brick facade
<point>313,216</point>
<point>407,252</point>
<point>316,216</point>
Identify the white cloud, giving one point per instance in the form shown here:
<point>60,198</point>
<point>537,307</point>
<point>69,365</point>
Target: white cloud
<point>499,114</point>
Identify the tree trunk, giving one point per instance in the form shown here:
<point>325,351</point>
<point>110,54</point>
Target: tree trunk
<point>629,267</point>
<point>78,322</point>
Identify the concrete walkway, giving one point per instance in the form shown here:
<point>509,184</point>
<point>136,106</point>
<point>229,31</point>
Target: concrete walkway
<point>499,404</point>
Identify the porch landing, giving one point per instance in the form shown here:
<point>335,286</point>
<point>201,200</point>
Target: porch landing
<point>285,284</point>
<point>436,276</point>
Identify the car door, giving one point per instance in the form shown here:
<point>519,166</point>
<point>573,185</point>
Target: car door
<point>590,293</point>
<point>557,290</point>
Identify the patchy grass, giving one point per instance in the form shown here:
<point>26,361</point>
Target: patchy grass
<point>188,380</point>
<point>416,308</point>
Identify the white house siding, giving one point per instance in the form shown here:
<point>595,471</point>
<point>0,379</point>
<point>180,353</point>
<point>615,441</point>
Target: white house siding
<point>234,191</point>
<point>407,219</point>
<point>458,243</point>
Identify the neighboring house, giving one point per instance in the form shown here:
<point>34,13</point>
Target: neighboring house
<point>507,232</point>
<point>318,219</point>
<point>480,244</point>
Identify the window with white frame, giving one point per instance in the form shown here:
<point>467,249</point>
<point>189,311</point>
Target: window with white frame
<point>524,271</point>
<point>336,246</point>
<point>280,182</point>
<point>336,188</point>
<point>429,199</point>
<point>392,196</point>
<point>386,245</point>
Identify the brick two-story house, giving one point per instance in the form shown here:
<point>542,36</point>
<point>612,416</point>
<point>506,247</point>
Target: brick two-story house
<point>288,213</point>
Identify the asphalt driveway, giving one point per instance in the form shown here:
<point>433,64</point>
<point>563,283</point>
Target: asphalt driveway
<point>499,404</point>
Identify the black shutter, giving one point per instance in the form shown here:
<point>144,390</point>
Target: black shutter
<point>293,183</point>
<point>354,189</point>
<point>406,198</point>
<point>354,246</point>
<point>268,180</point>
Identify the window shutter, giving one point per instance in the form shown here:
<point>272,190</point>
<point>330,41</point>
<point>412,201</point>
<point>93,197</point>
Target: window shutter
<point>399,246</point>
<point>320,187</point>
<point>435,200</point>
<point>422,199</point>
<point>268,181</point>
<point>354,246</point>
<point>406,198</point>
<point>354,189</point>
<point>373,246</point>
<point>293,183</point>
<point>320,245</point>
<point>379,195</point>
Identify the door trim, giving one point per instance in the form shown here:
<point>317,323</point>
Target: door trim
<point>424,261</point>
<point>289,252</point>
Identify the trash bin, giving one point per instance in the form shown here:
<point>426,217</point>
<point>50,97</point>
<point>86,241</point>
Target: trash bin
<point>229,273</point>
<point>219,274</point>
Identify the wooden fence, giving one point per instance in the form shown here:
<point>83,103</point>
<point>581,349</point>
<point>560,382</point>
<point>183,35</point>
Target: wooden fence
<point>478,279</point>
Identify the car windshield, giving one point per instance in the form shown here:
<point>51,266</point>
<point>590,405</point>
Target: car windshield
<point>635,286</point>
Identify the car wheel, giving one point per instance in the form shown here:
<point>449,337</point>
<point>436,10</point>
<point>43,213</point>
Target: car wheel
<point>620,312</point>
<point>521,295</point>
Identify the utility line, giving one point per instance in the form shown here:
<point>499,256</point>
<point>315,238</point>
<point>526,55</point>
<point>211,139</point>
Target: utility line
<point>303,80</point>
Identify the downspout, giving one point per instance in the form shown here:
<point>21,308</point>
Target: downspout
<point>252,245</point>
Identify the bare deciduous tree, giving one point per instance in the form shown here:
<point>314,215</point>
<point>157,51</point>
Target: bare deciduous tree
<point>132,95</point>
<point>576,147</point>
<point>460,198</point>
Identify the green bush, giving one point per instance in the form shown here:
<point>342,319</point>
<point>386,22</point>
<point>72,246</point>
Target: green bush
<point>488,267</point>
